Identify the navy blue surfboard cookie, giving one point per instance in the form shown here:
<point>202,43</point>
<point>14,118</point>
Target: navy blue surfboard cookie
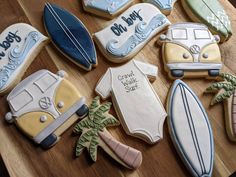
<point>70,36</point>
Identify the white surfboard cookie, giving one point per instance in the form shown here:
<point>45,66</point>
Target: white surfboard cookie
<point>129,33</point>
<point>19,45</point>
<point>137,105</point>
<point>190,130</point>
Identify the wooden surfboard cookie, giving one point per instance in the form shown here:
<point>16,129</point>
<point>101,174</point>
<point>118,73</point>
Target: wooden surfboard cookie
<point>70,36</point>
<point>94,134</point>
<point>130,32</point>
<point>190,130</point>
<point>19,45</point>
<point>225,92</point>
<point>212,14</point>
<point>106,8</point>
<point>42,106</point>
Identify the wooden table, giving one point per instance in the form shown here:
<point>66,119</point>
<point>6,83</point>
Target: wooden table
<point>23,159</point>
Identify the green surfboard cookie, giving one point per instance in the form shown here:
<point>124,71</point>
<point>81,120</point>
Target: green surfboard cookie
<point>211,13</point>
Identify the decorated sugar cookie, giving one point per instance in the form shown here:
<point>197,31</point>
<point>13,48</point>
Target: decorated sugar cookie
<point>19,45</point>
<point>106,8</point>
<point>190,130</point>
<point>165,6</point>
<point>42,106</point>
<point>211,13</point>
<point>225,92</point>
<point>70,36</point>
<point>136,103</point>
<point>190,50</point>
<point>129,33</point>
<point>94,134</point>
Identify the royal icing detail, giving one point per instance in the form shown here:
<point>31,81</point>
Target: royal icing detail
<point>70,36</point>
<point>17,43</point>
<point>109,7</point>
<point>94,134</point>
<point>134,98</point>
<point>165,6</point>
<point>225,92</point>
<point>211,13</point>
<point>135,26</point>
<point>33,104</point>
<point>190,130</point>
<point>190,48</point>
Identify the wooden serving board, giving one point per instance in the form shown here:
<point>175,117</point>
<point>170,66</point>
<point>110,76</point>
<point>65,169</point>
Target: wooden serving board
<point>23,159</point>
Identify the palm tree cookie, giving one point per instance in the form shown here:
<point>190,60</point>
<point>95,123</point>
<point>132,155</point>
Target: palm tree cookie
<point>225,90</point>
<point>93,134</point>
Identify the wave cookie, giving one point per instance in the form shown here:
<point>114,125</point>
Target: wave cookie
<point>42,106</point>
<point>165,6</point>
<point>211,13</point>
<point>129,33</point>
<point>19,45</point>
<point>190,50</point>
<point>106,8</point>
<point>190,130</point>
<point>136,103</point>
<point>70,36</point>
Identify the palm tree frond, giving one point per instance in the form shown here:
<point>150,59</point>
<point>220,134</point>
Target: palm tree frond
<point>85,123</point>
<point>229,77</point>
<point>221,97</point>
<point>93,148</point>
<point>93,106</point>
<point>218,86</point>
<point>108,122</point>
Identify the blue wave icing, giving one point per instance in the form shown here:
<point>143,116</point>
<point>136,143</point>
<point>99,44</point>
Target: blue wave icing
<point>162,4</point>
<point>142,32</point>
<point>17,56</point>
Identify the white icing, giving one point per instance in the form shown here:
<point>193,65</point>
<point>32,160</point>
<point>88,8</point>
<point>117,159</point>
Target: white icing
<point>139,107</point>
<point>129,36</point>
<point>35,93</point>
<point>22,30</point>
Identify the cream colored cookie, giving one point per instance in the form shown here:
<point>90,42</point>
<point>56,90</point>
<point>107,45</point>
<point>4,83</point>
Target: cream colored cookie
<point>136,103</point>
<point>42,106</point>
<point>165,6</point>
<point>190,50</point>
<point>20,43</point>
<point>106,8</point>
<point>130,32</point>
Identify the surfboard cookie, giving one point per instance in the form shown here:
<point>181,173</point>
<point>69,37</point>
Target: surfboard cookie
<point>211,13</point>
<point>106,8</point>
<point>136,103</point>
<point>165,6</point>
<point>190,130</point>
<point>225,92</point>
<point>42,106</point>
<point>130,32</point>
<point>19,45</point>
<point>70,36</point>
<point>94,133</point>
<point>190,50</point>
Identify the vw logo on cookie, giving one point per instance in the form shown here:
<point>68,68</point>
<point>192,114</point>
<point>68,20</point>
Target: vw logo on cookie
<point>195,49</point>
<point>45,102</point>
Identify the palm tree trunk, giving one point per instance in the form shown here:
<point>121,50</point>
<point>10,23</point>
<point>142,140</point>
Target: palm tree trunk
<point>124,154</point>
<point>230,117</point>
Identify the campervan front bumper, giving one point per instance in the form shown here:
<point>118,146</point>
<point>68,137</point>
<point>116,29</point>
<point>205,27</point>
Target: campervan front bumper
<point>194,66</point>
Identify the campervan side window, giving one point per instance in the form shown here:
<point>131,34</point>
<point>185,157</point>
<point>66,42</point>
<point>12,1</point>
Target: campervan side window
<point>201,34</point>
<point>21,100</point>
<point>179,34</point>
<point>45,82</point>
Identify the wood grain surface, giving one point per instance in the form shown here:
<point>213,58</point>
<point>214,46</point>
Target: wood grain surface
<point>24,159</point>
